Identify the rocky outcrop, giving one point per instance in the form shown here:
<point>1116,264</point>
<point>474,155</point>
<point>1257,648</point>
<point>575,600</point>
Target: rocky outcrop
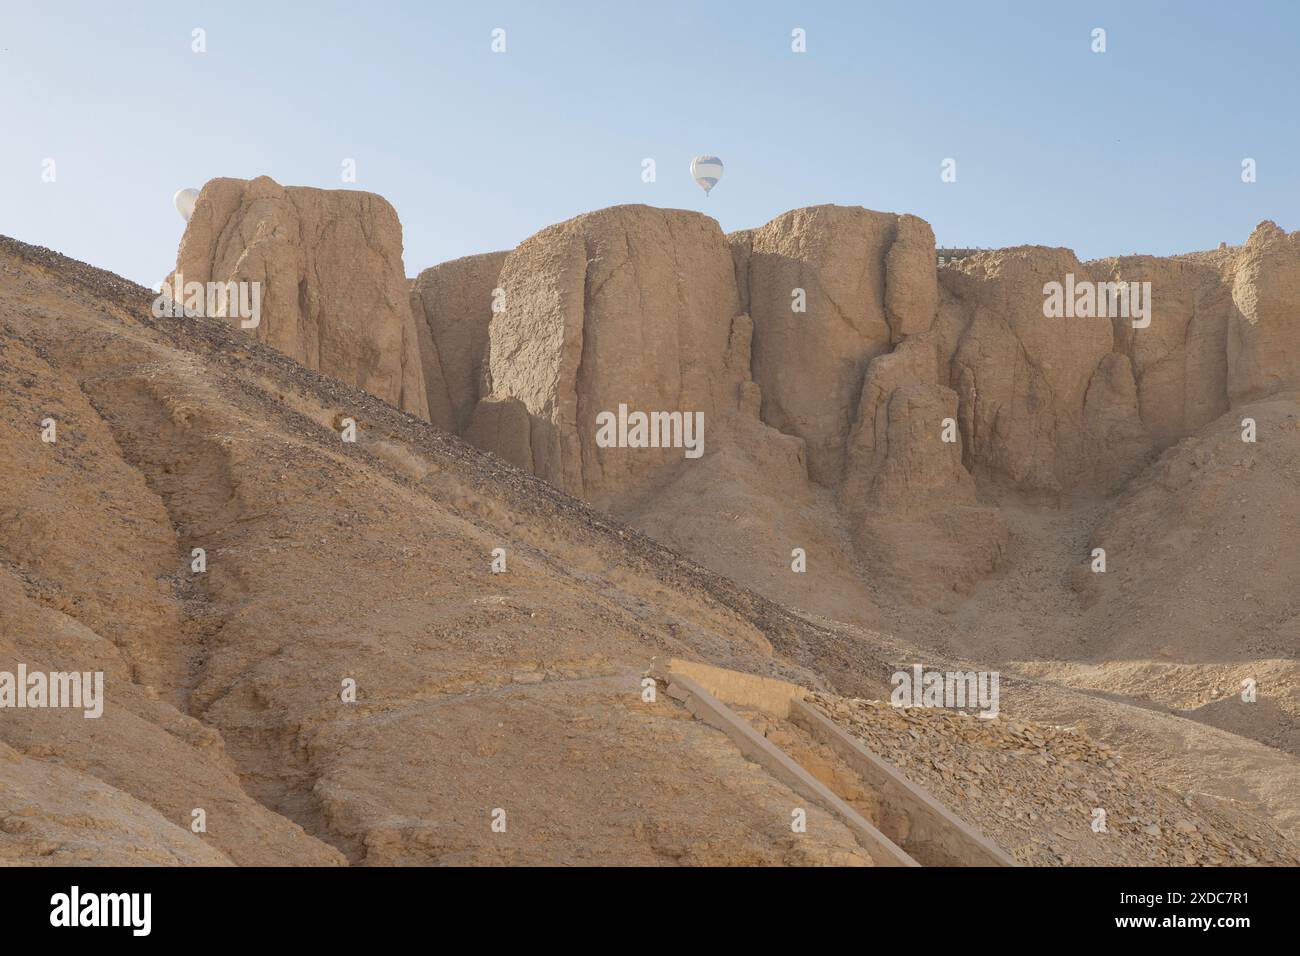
<point>911,279</point>
<point>825,351</point>
<point>1060,405</point>
<point>808,324</point>
<point>916,466</point>
<point>912,506</point>
<point>333,289</point>
<point>1264,331</point>
<point>1023,377</point>
<point>1179,362</point>
<point>922,359</point>
<point>1115,441</point>
<point>1038,398</point>
<point>814,282</point>
<point>630,306</point>
<point>452,304</point>
<point>860,349</point>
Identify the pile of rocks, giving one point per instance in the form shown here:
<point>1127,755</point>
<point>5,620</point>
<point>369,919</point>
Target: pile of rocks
<point>1043,792</point>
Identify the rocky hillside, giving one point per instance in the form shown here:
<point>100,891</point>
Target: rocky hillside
<point>387,640</point>
<point>328,565</point>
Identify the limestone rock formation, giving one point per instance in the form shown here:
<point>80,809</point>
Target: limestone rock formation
<point>911,280</point>
<point>452,304</point>
<point>912,504</point>
<point>915,467</point>
<point>922,359</point>
<point>825,349</point>
<point>1055,405</point>
<point>372,560</point>
<point>1180,361</point>
<point>630,306</point>
<point>1264,333</point>
<point>333,289</point>
<point>828,261</point>
<point>1023,377</point>
<point>822,348</point>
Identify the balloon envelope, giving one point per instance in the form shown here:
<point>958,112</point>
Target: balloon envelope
<point>706,171</point>
<point>184,200</point>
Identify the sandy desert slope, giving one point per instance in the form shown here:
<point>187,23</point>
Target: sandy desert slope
<point>328,561</point>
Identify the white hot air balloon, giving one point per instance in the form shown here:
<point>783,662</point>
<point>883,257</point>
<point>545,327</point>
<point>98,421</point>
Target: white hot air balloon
<point>706,171</point>
<point>184,200</point>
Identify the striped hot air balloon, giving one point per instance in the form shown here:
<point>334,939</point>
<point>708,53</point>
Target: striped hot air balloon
<point>706,171</point>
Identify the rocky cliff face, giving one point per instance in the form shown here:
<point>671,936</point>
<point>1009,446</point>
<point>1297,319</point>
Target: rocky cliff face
<point>916,397</point>
<point>829,289</point>
<point>837,371</point>
<point>452,305</point>
<point>1264,326</point>
<point>333,289</point>
<point>1180,361</point>
<point>630,306</point>
<point>1026,381</point>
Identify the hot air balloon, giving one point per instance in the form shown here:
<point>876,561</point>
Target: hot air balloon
<point>184,200</point>
<point>706,171</point>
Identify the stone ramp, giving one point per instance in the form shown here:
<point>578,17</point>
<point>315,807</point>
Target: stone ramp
<point>899,824</point>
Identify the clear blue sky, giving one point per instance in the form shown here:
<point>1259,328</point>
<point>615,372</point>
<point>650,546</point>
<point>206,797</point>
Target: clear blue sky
<point>1138,149</point>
